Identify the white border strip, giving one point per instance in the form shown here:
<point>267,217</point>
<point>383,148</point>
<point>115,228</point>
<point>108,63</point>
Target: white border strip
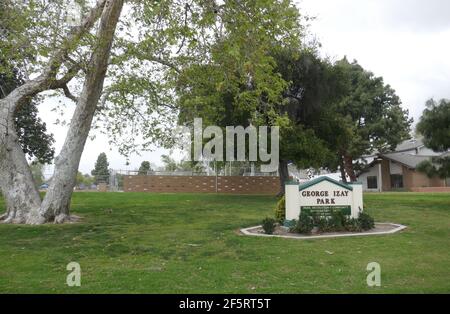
<point>398,228</point>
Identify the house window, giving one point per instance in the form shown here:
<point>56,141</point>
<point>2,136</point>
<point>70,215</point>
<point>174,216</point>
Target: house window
<point>372,182</point>
<point>396,181</point>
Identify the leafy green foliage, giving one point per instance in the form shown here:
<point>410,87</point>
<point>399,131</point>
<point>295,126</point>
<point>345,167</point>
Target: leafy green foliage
<point>169,163</point>
<point>304,225</point>
<point>101,169</point>
<point>268,225</point>
<point>303,147</point>
<point>434,125</point>
<point>337,222</point>
<point>84,179</point>
<point>145,167</point>
<point>438,166</point>
<point>32,132</point>
<point>367,116</point>
<point>366,221</point>
<point>353,225</point>
<point>280,209</point>
<point>322,224</point>
<point>199,58</point>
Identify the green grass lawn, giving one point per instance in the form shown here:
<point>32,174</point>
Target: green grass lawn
<point>188,243</point>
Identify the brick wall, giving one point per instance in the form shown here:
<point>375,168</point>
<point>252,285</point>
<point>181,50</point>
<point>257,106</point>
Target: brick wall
<point>202,184</point>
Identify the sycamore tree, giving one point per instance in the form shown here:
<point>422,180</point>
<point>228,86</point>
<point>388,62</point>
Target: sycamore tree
<point>51,54</point>
<point>119,64</point>
<point>434,126</point>
<point>367,117</point>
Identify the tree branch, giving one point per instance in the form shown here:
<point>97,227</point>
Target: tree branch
<point>70,74</point>
<point>69,94</point>
<point>75,34</point>
<point>151,58</point>
<point>46,79</point>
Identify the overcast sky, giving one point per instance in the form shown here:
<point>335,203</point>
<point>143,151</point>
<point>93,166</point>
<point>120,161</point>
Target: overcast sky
<point>407,42</point>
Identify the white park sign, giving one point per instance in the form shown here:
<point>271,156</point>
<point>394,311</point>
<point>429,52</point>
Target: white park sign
<point>322,196</point>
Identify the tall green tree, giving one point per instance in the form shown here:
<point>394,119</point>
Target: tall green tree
<point>434,126</point>
<point>101,169</point>
<point>306,86</point>
<point>241,85</point>
<point>169,163</point>
<point>145,167</point>
<point>367,117</point>
<point>85,179</point>
<point>312,86</point>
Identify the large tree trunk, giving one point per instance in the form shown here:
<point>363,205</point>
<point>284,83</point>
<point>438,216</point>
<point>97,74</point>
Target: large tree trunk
<point>284,176</point>
<point>16,181</point>
<point>22,198</point>
<point>348,164</point>
<point>56,203</point>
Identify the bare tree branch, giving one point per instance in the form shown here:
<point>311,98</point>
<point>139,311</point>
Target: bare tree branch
<point>68,94</point>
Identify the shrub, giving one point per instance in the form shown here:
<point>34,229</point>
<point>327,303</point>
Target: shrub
<point>353,225</point>
<point>366,221</point>
<point>322,224</point>
<point>337,221</point>
<point>280,210</point>
<point>268,225</point>
<point>304,224</point>
<point>290,223</point>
